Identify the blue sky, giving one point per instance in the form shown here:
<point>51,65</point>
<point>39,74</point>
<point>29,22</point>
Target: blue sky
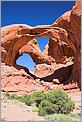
<point>32,13</point>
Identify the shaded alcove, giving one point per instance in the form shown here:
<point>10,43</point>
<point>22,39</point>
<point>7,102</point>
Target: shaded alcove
<point>62,74</point>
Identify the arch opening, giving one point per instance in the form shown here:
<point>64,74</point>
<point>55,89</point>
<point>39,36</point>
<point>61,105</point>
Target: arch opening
<point>42,41</point>
<point>26,61</point>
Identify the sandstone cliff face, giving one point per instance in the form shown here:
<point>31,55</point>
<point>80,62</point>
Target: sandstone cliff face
<point>60,60</point>
<point>67,46</point>
<point>71,22</point>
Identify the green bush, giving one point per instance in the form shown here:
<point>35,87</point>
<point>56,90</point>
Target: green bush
<point>35,109</point>
<point>62,100</point>
<point>37,97</point>
<point>7,95</point>
<point>63,117</point>
<point>10,96</point>
<point>46,107</point>
<point>26,99</point>
<point>57,96</point>
<point>55,101</point>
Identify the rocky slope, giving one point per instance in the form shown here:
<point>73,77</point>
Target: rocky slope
<point>58,65</point>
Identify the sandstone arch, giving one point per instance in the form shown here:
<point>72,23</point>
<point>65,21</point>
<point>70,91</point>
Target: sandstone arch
<point>64,42</point>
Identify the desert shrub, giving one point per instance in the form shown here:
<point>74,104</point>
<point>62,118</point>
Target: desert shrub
<point>10,96</point>
<point>60,98</point>
<point>26,99</point>
<point>37,97</point>
<point>46,107</point>
<point>57,96</point>
<point>62,117</point>
<point>56,102</point>
<point>7,95</point>
<point>35,109</point>
<point>18,97</point>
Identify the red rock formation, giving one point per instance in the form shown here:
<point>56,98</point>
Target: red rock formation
<point>62,51</point>
<point>33,50</point>
<point>71,22</point>
<point>15,40</point>
<point>66,44</point>
<point>18,81</point>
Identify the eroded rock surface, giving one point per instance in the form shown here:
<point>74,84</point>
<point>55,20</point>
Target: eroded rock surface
<point>71,22</point>
<point>59,62</point>
<point>66,44</point>
<point>19,81</point>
